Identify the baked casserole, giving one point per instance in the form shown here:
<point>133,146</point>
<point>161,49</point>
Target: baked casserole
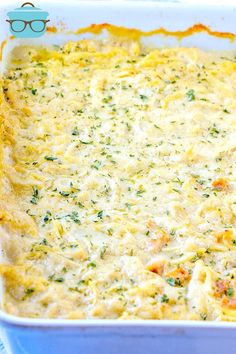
<point>117,194</point>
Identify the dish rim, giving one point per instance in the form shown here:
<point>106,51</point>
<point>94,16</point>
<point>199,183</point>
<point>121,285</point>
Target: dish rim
<point>35,323</point>
<point>10,320</point>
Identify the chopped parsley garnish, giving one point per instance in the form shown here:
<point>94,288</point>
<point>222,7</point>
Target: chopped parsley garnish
<point>92,265</point>
<point>29,291</point>
<point>200,181</point>
<point>140,192</point>
<point>75,217</point>
<point>47,218</point>
<point>143,97</point>
<point>110,231</point>
<point>107,99</point>
<point>190,95</point>
<point>64,194</point>
<point>75,131</point>
<point>86,142</point>
<point>59,280</point>
<point>103,251</point>
<point>128,205</point>
<point>164,298</point>
<point>173,281</point>
<point>81,282</point>
<point>44,242</point>
<point>34,91</point>
<point>35,196</point>
<point>96,164</point>
<point>213,131</point>
<point>230,292</point>
<point>50,158</point>
<point>80,205</point>
<point>100,214</point>
<point>176,190</point>
<point>78,111</point>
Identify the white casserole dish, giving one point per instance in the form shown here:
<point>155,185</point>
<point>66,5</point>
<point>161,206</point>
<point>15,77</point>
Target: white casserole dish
<point>38,336</point>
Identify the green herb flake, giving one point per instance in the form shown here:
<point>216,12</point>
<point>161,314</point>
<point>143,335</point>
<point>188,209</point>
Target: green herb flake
<point>143,97</point>
<point>64,194</point>
<point>80,205</point>
<point>59,280</point>
<point>107,99</point>
<point>92,265</point>
<point>50,158</point>
<point>190,95</point>
<point>75,131</point>
<point>103,251</point>
<point>96,164</point>
<point>44,242</point>
<point>81,282</point>
<point>140,192</point>
<point>86,142</point>
<point>176,190</point>
<point>75,217</point>
<point>29,291</point>
<point>35,196</point>
<point>110,231</point>
<point>100,214</point>
<point>171,281</point>
<point>47,218</point>
<point>213,131</point>
<point>230,292</point>
<point>165,298</point>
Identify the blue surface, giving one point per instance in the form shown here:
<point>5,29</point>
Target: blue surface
<point>2,351</point>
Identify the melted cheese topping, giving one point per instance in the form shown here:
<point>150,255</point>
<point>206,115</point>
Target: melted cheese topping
<point>118,182</point>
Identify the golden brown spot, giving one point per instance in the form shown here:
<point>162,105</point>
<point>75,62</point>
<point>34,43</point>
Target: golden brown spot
<point>228,302</point>
<point>225,236</point>
<point>221,287</point>
<point>220,184</point>
<point>136,34</point>
<point>156,267</point>
<point>159,236</point>
<point>180,275</point>
<point>51,29</point>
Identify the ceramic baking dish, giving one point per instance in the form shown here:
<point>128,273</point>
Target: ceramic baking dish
<point>37,336</point>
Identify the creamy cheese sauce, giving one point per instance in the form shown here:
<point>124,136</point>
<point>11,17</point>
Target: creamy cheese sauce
<point>118,182</point>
